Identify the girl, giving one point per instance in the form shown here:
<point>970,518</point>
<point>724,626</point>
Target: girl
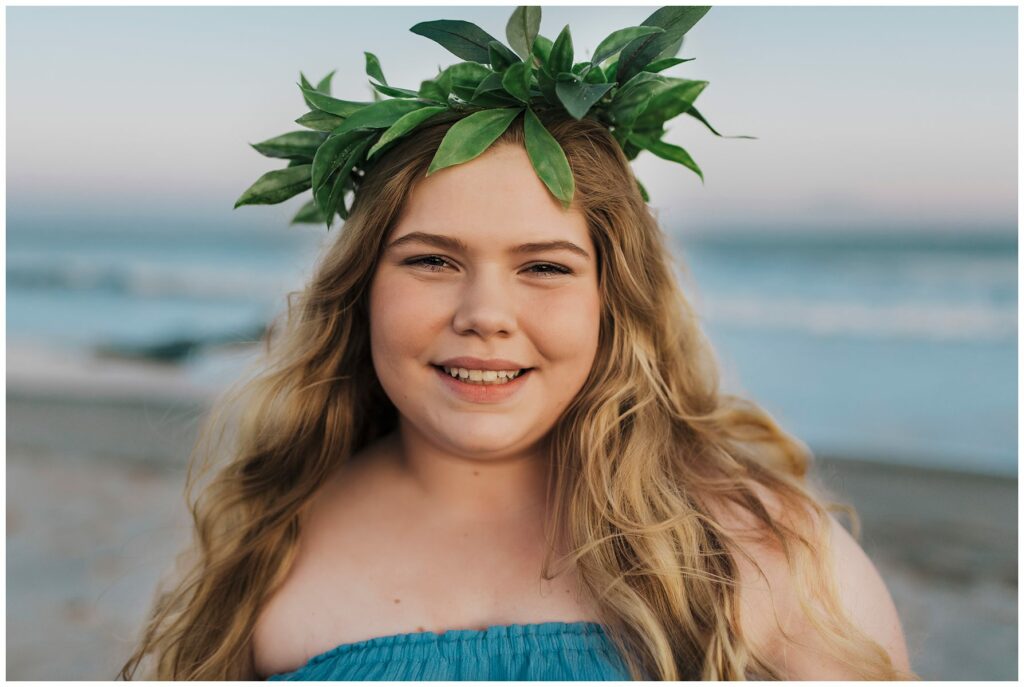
<point>489,443</point>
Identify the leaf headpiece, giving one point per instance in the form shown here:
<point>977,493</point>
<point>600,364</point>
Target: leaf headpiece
<point>620,86</point>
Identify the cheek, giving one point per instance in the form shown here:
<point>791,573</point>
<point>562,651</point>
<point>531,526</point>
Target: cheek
<point>402,318</point>
<point>565,325</point>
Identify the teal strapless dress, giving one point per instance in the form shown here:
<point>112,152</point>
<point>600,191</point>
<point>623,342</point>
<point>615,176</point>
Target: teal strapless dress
<point>535,651</point>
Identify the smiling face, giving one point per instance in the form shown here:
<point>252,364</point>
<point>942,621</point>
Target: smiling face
<point>473,294</point>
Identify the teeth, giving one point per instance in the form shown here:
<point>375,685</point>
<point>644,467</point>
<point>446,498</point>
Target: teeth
<point>482,376</point>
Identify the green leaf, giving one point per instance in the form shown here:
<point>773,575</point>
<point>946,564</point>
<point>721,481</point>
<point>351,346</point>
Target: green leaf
<point>394,91</point>
<point>322,196</point>
<point>373,69</point>
<point>546,84</point>
<point>669,103</point>
<point>277,186</point>
<point>308,214</point>
<point>596,75</point>
<point>466,74</point>
<point>325,103</point>
<point>320,121</point>
<point>560,59</point>
<point>643,191</point>
<point>667,151</point>
<point>344,182</point>
<point>610,70</point>
<point>541,50</point>
<point>662,65</point>
<point>618,40</point>
<point>517,81</point>
<point>500,57</point>
<point>491,99</point>
<point>491,82</point>
<point>304,83</point>
<point>430,90</point>
<point>471,136</point>
<point>331,154</point>
<point>697,115</point>
<point>378,115</point>
<point>644,77</point>
<point>330,195</point>
<point>325,83</point>
<point>463,38</point>
<point>491,93</point>
<point>634,96</point>
<point>578,96</point>
<point>522,29</point>
<point>463,90</point>
<point>404,125</point>
<point>676,20</point>
<point>295,145</point>
<point>548,159</point>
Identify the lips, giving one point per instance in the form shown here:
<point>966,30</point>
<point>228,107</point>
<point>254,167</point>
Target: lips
<point>471,363</point>
<point>483,393</point>
<point>521,370</point>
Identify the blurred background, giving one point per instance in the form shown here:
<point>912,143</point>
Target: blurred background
<point>855,267</point>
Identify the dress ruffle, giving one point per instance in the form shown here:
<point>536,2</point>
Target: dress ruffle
<point>536,651</point>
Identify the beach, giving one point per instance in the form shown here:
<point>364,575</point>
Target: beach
<point>96,453</point>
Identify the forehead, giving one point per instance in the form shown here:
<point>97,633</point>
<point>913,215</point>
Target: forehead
<point>494,200</point>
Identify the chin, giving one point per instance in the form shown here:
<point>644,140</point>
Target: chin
<point>495,438</point>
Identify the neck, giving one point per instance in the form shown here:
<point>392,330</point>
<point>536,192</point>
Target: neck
<point>482,489</point>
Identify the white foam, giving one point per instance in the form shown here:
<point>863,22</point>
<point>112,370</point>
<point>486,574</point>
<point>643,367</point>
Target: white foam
<point>908,319</point>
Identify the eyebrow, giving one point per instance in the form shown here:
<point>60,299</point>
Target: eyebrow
<point>454,244</point>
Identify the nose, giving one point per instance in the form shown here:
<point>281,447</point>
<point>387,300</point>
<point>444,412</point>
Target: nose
<point>486,305</point>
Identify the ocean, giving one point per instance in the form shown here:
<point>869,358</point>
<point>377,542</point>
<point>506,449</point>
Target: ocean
<point>897,348</point>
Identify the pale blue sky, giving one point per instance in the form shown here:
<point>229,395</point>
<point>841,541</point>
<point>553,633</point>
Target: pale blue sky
<point>866,116</point>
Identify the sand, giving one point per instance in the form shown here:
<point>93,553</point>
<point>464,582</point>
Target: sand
<point>96,514</point>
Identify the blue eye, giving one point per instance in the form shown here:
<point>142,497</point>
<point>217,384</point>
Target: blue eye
<point>555,270</point>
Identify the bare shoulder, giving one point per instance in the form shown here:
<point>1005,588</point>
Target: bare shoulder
<point>297,618</point>
<point>769,599</point>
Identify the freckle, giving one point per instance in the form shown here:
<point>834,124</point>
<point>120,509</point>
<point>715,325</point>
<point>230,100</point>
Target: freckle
<point>398,601</point>
<point>475,473</point>
<point>420,628</point>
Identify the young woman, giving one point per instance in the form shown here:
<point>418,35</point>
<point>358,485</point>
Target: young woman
<point>608,513</point>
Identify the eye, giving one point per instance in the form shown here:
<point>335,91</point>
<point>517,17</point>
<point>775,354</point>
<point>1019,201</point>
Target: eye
<point>555,269</point>
<point>549,269</point>
<point>421,261</point>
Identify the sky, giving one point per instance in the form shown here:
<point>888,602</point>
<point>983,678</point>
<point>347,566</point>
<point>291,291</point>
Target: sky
<point>867,118</point>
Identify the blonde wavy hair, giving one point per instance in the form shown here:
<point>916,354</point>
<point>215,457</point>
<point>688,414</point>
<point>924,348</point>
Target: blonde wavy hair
<point>637,460</point>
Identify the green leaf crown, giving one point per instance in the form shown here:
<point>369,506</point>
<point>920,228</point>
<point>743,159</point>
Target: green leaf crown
<point>621,86</point>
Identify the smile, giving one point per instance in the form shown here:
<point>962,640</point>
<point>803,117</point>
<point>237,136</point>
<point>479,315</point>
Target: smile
<point>482,376</point>
<point>491,385</point>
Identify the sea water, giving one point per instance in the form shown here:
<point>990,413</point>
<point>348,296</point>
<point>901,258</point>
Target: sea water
<point>867,345</point>
<point>888,347</point>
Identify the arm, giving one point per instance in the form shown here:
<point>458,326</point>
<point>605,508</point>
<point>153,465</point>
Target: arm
<point>770,600</point>
<point>867,602</point>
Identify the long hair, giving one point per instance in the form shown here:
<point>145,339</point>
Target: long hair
<point>636,462</point>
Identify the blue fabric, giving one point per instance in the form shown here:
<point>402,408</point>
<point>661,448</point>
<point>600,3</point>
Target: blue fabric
<point>536,651</point>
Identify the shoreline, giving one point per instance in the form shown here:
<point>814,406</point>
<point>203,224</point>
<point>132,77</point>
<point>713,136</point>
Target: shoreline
<point>41,379</point>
